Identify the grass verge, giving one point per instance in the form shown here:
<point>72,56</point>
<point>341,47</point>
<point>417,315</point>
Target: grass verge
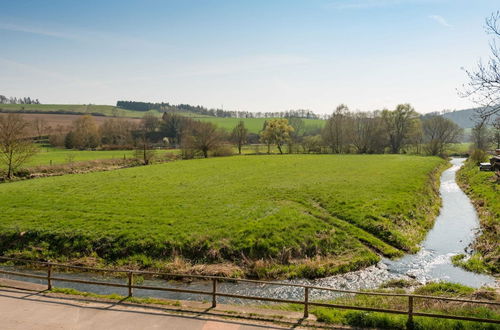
<point>484,191</point>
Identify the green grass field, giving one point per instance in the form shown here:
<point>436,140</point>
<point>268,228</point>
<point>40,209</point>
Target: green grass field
<point>54,156</point>
<point>273,216</point>
<point>255,125</point>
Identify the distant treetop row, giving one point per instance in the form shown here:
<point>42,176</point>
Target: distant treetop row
<point>167,107</point>
<point>14,100</point>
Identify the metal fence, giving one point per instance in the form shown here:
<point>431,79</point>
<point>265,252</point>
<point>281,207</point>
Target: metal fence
<point>214,293</point>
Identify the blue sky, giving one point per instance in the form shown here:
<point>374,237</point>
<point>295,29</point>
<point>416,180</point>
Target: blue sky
<point>244,55</point>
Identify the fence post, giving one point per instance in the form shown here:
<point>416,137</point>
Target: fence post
<point>214,292</point>
<point>49,275</point>
<point>409,323</point>
<point>306,302</point>
<point>130,281</point>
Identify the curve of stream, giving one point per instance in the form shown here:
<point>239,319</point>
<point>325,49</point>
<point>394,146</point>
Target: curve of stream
<point>453,232</point>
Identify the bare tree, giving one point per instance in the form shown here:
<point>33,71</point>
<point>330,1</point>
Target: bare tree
<point>84,133</point>
<point>367,135</point>
<point>335,132</point>
<point>484,82</point>
<point>480,136</point>
<point>439,132</point>
<point>16,147</point>
<point>41,127</point>
<point>202,137</point>
<point>496,132</point>
<point>239,135</point>
<point>143,146</point>
<point>144,149</point>
<point>299,128</point>
<point>117,132</point>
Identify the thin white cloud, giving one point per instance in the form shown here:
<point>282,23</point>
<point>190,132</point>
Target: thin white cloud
<point>362,4</point>
<point>87,36</point>
<point>32,70</point>
<point>37,31</point>
<point>226,66</point>
<point>440,20</point>
<point>369,4</point>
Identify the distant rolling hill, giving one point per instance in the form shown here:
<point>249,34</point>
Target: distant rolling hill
<point>74,109</point>
<point>463,118</point>
<point>68,111</point>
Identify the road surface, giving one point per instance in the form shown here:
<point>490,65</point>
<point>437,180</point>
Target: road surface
<point>22,309</point>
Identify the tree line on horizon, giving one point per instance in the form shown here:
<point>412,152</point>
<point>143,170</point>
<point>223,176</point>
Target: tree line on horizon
<point>397,131</point>
<point>15,100</point>
<point>201,110</point>
<point>401,130</point>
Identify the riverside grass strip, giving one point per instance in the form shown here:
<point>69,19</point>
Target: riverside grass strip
<point>266,216</point>
<point>484,191</point>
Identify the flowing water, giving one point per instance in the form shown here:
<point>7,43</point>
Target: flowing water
<point>453,232</point>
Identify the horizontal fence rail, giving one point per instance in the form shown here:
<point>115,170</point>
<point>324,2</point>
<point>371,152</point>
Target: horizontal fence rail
<point>216,279</point>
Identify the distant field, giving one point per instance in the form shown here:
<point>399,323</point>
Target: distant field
<point>459,148</point>
<point>301,215</point>
<point>54,120</point>
<point>106,110</point>
<point>54,156</point>
<point>255,125</point>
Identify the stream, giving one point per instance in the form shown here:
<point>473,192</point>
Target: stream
<point>453,232</point>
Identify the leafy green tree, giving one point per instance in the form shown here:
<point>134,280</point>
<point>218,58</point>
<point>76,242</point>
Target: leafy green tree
<point>398,124</point>
<point>276,131</point>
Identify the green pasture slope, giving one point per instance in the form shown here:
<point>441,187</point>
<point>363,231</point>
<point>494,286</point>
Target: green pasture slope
<point>270,216</point>
<point>255,125</point>
<point>105,110</point>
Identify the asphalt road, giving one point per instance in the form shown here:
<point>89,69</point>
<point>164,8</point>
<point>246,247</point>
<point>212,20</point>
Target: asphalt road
<point>20,309</point>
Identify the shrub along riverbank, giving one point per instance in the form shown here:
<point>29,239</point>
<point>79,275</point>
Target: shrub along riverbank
<point>484,191</point>
<point>256,216</point>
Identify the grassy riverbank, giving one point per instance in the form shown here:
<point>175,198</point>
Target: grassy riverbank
<point>376,319</point>
<point>485,194</point>
<point>257,216</point>
<point>399,321</point>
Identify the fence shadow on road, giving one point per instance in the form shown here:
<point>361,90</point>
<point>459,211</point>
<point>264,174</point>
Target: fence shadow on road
<point>205,314</point>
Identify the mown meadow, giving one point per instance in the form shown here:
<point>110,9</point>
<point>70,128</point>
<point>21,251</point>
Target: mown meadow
<point>52,156</point>
<point>266,216</point>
